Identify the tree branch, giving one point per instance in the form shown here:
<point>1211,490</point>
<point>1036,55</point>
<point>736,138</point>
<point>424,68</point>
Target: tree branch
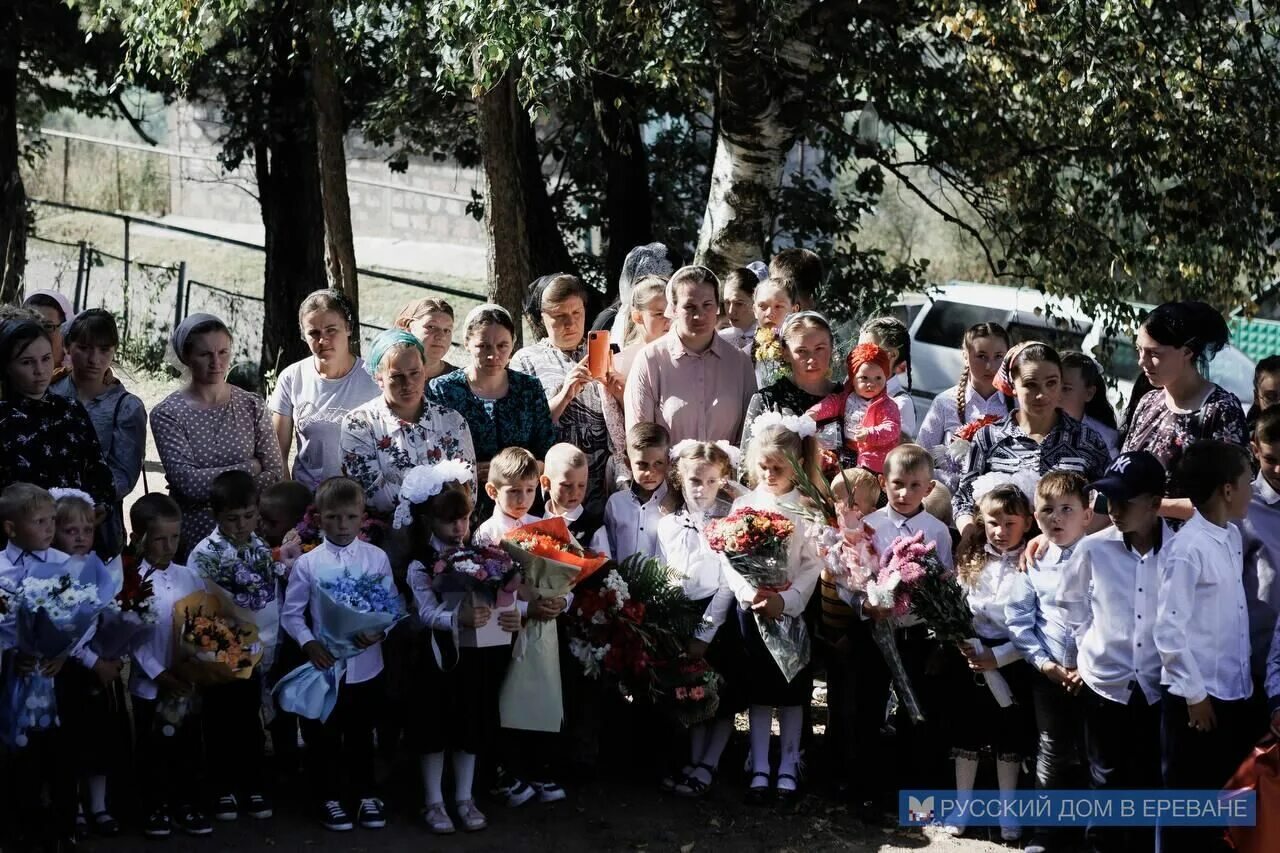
<point>117,98</point>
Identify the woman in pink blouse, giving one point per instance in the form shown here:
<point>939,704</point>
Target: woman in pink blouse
<point>210,426</point>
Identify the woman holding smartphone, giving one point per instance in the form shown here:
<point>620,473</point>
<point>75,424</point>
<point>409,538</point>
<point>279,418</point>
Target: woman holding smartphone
<point>561,363</point>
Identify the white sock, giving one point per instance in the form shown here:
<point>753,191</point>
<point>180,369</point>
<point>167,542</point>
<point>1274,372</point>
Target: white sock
<point>433,777</point>
<point>1007,776</point>
<point>698,743</point>
<point>464,771</point>
<point>790,724</point>
<point>761,723</point>
<point>97,786</point>
<point>717,739</point>
<point>966,774</point>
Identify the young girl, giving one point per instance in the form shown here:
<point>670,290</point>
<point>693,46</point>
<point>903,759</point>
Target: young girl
<point>458,696</point>
<point>1266,388</point>
<point>1084,397</point>
<point>646,321</point>
<point>893,336</point>
<point>974,397</point>
<point>872,421</point>
<point>737,307</point>
<point>699,474</point>
<point>774,300</point>
<point>776,440</point>
<point>168,754</point>
<point>90,692</point>
<point>986,571</point>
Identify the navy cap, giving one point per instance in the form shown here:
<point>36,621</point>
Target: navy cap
<point>1137,472</point>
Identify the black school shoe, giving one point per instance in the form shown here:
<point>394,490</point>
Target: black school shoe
<point>258,807</point>
<point>158,824</point>
<point>192,821</point>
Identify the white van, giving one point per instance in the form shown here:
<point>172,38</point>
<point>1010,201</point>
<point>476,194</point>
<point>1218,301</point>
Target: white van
<point>938,329</point>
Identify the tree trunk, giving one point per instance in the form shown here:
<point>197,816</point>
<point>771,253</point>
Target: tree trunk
<point>13,195</point>
<point>751,147</point>
<point>628,214</point>
<point>507,243</point>
<point>326,101</point>
<point>547,251</point>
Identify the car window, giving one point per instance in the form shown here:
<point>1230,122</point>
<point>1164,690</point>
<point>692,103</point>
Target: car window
<point>1119,359</point>
<point>1062,338</point>
<point>946,322</point>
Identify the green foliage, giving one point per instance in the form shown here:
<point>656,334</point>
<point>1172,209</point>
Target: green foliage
<point>670,618</point>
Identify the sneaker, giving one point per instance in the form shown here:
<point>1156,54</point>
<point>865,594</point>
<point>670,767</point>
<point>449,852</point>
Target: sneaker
<point>371,814</point>
<point>258,807</point>
<point>503,782</point>
<point>334,817</point>
<point>520,793</point>
<point>158,825</point>
<point>549,792</point>
<point>472,818</point>
<point>192,821</point>
<point>227,808</point>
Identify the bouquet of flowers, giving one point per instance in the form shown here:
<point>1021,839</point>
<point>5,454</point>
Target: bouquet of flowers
<point>687,691</point>
<point>766,352</point>
<point>304,538</point>
<point>754,542</point>
<point>950,457</point>
<point>214,645</point>
<point>551,563</point>
<point>248,576</point>
<point>349,606</point>
<point>486,572</point>
<point>50,612</point>
<point>126,618</point>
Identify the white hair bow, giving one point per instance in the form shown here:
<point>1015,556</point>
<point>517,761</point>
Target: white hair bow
<point>424,482</point>
<point>802,425</point>
<point>1025,480</point>
<point>58,494</point>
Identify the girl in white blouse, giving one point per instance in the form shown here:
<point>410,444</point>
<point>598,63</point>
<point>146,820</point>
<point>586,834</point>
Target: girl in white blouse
<point>775,441</point>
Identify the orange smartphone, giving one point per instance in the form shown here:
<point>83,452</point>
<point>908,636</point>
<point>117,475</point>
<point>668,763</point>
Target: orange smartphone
<point>598,353</point>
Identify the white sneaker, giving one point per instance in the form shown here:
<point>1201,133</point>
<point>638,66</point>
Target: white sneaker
<point>954,830</point>
<point>1035,847</point>
<point>520,793</point>
<point>549,792</point>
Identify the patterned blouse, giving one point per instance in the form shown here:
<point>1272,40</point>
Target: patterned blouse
<point>51,443</point>
<point>378,448</point>
<point>196,445</point>
<point>582,422</point>
<point>1004,447</point>
<point>1166,432</point>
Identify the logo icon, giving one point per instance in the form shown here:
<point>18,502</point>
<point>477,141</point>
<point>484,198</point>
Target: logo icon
<point>919,811</point>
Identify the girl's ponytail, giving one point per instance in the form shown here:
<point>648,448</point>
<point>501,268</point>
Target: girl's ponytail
<point>962,391</point>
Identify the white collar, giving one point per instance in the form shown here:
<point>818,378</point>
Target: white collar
<point>506,522</point>
<point>1265,491</point>
<point>1002,556</point>
<point>572,515</point>
<point>1213,531</point>
<point>1055,554</point>
<point>971,392</point>
<point>440,546</point>
<point>14,554</point>
<point>340,550</point>
<point>898,519</point>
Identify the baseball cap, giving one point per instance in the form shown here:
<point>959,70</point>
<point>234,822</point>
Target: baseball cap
<point>1130,474</point>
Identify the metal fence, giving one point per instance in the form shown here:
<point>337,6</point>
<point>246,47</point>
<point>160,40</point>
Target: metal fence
<point>218,275</point>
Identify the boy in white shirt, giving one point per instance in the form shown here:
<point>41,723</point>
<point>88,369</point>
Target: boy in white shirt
<point>1261,529</point>
<point>564,483</point>
<point>340,749</point>
<point>908,480</point>
<point>1109,588</point>
<point>513,486</point>
<point>1202,633</point>
<point>631,515</point>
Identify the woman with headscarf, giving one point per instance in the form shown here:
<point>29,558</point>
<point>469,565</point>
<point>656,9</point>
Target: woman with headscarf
<point>45,439</point>
<point>505,408</point>
<point>210,426</point>
<point>641,262</point>
<point>55,310</point>
<point>400,428</point>
<point>314,396</point>
<point>559,362</point>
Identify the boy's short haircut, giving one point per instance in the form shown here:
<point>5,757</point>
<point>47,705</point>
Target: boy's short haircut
<point>19,500</point>
<point>648,436</point>
<point>849,481</point>
<point>149,509</point>
<point>233,490</point>
<point>512,465</point>
<point>909,457</point>
<point>740,280</point>
<point>564,457</point>
<point>800,268</point>
<point>1267,429</point>
<point>1062,484</point>
<point>339,491</point>
<point>290,497</point>
<point>938,504</point>
<point>1207,466</point>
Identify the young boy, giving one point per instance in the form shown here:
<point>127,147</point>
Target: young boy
<point>232,718</point>
<point>908,480</point>
<point>1039,628</point>
<point>1109,590</point>
<point>802,270</point>
<point>737,306</point>
<point>156,522</point>
<point>1202,633</point>
<point>631,516</point>
<point>513,487</point>
<point>564,482</point>
<point>280,509</point>
<point>340,749</point>
<point>1261,530</point>
<point>29,515</point>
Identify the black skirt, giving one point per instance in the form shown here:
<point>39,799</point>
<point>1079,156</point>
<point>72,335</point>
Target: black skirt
<point>94,719</point>
<point>455,701</point>
<point>764,682</point>
<point>976,722</point>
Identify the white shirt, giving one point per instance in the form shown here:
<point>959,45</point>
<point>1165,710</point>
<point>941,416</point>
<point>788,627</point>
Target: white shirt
<point>803,565</point>
<point>683,547</point>
<point>498,526</point>
<point>987,599</point>
<point>742,339</point>
<point>14,562</point>
<point>1261,532</point>
<point>360,558</point>
<point>888,524</point>
<point>897,390</point>
<point>1109,436</point>
<point>941,421</point>
<point>155,654</point>
<point>1110,594</point>
<point>318,406</point>
<point>599,540</point>
<point>1202,620</point>
<point>632,524</point>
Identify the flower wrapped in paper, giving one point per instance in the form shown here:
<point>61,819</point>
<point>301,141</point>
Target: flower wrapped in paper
<point>247,576</point>
<point>213,644</point>
<point>349,606</point>
<point>755,542</point>
<point>685,690</point>
<point>484,575</point>
<point>50,613</point>
<point>551,563</point>
<point>126,620</point>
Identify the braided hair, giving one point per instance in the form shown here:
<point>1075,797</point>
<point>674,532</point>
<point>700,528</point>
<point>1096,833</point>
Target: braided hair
<point>971,334</point>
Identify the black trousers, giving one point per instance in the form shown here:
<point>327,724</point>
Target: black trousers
<point>1122,743</point>
<point>168,767</point>
<point>234,738</point>
<point>1202,760</point>
<point>340,751</point>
